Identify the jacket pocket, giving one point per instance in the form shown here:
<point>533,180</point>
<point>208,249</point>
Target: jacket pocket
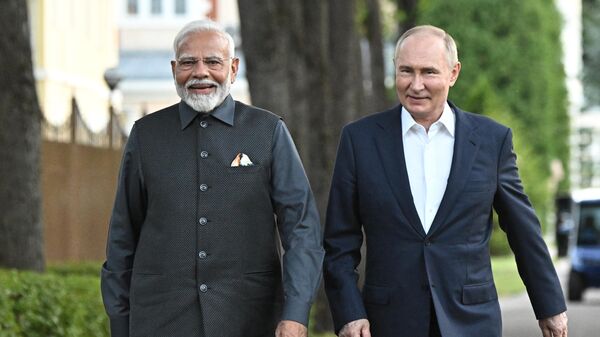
<point>479,293</point>
<point>262,285</point>
<point>376,295</point>
<point>243,169</point>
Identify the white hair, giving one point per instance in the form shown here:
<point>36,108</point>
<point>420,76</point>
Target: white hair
<point>451,51</point>
<point>203,26</point>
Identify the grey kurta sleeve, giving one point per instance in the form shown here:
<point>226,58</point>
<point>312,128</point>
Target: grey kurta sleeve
<point>126,219</point>
<point>299,227</point>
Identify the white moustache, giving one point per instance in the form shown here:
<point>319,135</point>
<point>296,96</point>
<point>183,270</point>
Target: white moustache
<point>194,81</point>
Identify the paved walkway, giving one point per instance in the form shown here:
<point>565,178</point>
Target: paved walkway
<point>584,317</point>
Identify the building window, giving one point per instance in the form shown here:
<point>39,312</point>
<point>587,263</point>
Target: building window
<point>132,7</point>
<point>180,7</point>
<point>156,7</point>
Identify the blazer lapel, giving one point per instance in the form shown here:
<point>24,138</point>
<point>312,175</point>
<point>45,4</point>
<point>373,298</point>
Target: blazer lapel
<point>466,145</point>
<point>391,151</point>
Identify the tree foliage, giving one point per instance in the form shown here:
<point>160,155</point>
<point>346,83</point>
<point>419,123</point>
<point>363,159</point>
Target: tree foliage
<point>591,51</point>
<point>511,69</point>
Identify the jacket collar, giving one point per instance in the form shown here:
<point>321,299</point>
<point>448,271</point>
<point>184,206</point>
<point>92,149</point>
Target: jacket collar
<point>224,112</point>
<point>391,150</point>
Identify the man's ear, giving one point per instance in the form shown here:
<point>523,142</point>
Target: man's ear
<point>235,64</point>
<point>454,73</point>
<point>173,63</point>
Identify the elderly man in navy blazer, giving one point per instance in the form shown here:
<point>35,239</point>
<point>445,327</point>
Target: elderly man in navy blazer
<point>421,180</point>
<point>205,185</point>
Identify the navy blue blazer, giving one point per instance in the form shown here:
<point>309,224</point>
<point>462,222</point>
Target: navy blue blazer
<point>407,270</point>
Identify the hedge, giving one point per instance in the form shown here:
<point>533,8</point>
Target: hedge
<point>63,302</point>
<point>51,304</point>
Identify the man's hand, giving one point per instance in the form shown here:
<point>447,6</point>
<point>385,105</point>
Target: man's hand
<point>555,326</point>
<point>291,329</point>
<point>358,328</point>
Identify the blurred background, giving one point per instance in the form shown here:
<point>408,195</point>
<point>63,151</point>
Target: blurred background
<point>75,75</point>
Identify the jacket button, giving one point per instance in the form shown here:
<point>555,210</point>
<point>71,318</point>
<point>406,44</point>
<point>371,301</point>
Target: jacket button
<point>204,154</point>
<point>427,242</point>
<point>202,254</point>
<point>203,288</point>
<point>203,221</point>
<point>203,187</point>
<point>203,124</point>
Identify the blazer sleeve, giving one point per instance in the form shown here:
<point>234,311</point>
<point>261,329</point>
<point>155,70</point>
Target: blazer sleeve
<point>126,219</point>
<point>518,219</point>
<point>343,239</point>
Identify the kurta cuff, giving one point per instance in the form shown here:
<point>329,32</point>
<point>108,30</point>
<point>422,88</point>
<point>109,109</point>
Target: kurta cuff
<point>296,310</point>
<point>119,326</point>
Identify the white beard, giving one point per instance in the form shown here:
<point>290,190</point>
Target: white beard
<point>204,102</point>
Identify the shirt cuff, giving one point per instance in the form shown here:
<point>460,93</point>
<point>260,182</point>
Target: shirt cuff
<point>119,326</point>
<point>296,310</point>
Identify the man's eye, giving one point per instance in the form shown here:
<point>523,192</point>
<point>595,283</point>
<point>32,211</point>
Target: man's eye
<point>212,62</point>
<point>187,62</point>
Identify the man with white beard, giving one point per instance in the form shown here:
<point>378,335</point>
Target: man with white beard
<point>204,187</point>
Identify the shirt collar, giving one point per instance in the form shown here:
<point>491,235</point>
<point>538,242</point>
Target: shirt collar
<point>224,112</point>
<point>447,119</point>
<point>407,121</point>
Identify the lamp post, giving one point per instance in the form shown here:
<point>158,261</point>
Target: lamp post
<point>112,79</point>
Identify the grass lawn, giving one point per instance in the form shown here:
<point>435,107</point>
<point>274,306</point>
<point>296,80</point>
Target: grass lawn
<point>506,276</point>
<point>326,334</point>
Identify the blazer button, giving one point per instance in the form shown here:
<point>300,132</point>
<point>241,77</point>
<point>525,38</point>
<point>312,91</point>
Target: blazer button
<point>202,254</point>
<point>203,187</point>
<point>203,124</point>
<point>204,154</point>
<point>427,242</point>
<point>203,288</point>
<point>203,221</point>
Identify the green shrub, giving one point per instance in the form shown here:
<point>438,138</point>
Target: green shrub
<point>50,305</point>
<point>8,325</point>
<point>87,268</point>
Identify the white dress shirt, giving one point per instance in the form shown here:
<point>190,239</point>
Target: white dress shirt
<point>428,157</point>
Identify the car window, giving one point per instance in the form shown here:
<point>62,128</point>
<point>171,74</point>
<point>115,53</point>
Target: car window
<point>589,225</point>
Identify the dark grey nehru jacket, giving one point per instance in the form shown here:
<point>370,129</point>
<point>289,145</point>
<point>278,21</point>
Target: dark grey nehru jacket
<point>192,248</point>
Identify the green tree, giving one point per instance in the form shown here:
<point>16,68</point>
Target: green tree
<point>511,69</point>
<point>591,51</point>
<point>21,243</point>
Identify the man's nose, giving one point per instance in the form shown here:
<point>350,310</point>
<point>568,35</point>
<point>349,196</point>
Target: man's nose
<point>417,82</point>
<point>200,69</point>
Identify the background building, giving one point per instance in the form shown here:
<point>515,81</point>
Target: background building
<point>73,43</point>
<point>585,121</point>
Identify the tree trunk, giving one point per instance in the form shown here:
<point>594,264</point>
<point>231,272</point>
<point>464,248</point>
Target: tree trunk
<point>21,239</point>
<point>409,8</point>
<point>377,97</point>
<point>303,62</point>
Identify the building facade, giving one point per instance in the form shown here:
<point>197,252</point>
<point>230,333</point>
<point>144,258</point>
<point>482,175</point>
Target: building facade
<point>73,43</point>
